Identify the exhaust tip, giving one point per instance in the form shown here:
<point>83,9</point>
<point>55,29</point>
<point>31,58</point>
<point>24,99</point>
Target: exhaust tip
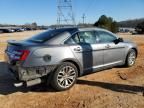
<point>28,83</point>
<point>18,84</point>
<point>33,82</point>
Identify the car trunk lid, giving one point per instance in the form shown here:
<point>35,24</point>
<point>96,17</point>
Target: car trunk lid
<point>18,50</point>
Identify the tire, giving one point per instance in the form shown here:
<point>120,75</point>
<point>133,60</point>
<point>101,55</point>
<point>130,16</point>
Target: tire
<point>64,77</point>
<point>131,58</point>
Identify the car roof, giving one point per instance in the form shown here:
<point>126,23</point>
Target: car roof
<point>69,32</point>
<point>75,29</point>
<point>92,28</point>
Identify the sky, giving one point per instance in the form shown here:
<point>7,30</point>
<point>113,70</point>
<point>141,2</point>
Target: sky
<point>44,12</point>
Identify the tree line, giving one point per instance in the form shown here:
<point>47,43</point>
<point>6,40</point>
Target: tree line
<point>110,24</point>
<point>32,26</point>
<point>103,22</point>
<point>130,23</point>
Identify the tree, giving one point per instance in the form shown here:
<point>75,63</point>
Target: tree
<point>32,26</point>
<point>114,27</point>
<point>140,28</point>
<point>107,23</point>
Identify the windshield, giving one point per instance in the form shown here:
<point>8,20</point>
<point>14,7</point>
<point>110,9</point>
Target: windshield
<point>44,36</point>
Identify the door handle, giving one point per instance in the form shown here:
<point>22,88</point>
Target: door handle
<point>77,49</point>
<point>107,46</point>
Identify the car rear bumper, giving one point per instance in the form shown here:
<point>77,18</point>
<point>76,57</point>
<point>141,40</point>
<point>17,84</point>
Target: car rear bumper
<point>26,74</point>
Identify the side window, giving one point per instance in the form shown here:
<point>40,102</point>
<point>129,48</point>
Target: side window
<point>73,40</point>
<point>87,37</point>
<point>106,37</point>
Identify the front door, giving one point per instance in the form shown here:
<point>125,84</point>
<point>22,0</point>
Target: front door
<point>113,53</point>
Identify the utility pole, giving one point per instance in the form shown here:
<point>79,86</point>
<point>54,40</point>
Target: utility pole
<point>83,18</point>
<point>65,14</point>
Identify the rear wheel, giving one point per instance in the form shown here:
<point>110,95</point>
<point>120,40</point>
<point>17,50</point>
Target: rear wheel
<point>131,58</point>
<point>64,77</point>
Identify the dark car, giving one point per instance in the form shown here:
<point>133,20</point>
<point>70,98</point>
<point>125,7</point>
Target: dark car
<point>19,30</point>
<point>6,31</point>
<point>59,56</point>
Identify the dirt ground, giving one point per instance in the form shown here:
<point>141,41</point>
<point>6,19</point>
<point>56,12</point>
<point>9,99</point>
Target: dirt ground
<point>118,87</point>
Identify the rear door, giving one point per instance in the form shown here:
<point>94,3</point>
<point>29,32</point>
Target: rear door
<point>86,50</point>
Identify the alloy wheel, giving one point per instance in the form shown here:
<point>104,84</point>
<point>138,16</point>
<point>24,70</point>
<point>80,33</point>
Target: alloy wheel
<point>132,58</point>
<point>66,76</point>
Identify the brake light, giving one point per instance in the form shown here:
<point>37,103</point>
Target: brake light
<point>20,55</point>
<point>24,55</point>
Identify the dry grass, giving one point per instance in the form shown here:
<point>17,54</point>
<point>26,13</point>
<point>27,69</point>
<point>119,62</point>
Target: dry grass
<point>17,36</point>
<point>139,39</point>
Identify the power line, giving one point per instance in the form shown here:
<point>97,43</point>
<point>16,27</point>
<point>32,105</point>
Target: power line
<point>90,5</point>
<point>84,17</point>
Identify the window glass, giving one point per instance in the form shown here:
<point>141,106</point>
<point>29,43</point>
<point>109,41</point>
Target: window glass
<point>49,34</point>
<point>87,37</point>
<point>82,37</point>
<point>73,40</point>
<point>106,37</point>
<point>45,36</point>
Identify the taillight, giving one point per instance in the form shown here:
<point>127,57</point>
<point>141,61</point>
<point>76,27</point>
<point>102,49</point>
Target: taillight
<point>24,55</point>
<point>20,54</point>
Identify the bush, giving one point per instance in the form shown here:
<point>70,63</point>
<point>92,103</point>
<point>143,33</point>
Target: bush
<point>107,23</point>
<point>140,28</point>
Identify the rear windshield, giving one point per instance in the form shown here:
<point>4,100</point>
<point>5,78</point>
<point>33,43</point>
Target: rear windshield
<point>45,36</point>
<point>49,34</point>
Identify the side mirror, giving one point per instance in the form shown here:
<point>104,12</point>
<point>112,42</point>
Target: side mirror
<point>118,40</point>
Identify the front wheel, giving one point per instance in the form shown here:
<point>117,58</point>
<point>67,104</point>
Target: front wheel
<point>64,77</point>
<point>131,58</point>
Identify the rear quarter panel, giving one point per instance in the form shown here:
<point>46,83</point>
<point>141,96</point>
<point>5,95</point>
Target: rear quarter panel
<point>57,53</point>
